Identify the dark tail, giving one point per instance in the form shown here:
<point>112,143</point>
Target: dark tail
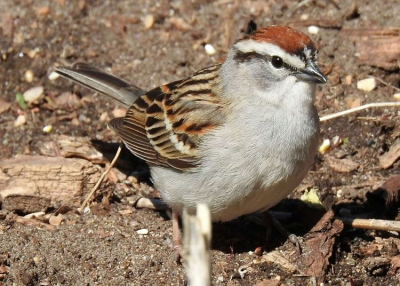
<point>111,86</point>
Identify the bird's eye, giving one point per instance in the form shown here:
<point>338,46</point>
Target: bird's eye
<point>277,62</point>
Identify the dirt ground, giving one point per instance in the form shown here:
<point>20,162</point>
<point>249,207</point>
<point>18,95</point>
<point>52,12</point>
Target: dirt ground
<point>103,247</point>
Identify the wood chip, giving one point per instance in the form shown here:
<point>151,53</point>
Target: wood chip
<point>72,147</point>
<point>56,219</point>
<point>180,24</point>
<point>68,101</point>
<point>388,159</point>
<point>341,165</point>
<point>269,282</point>
<point>125,212</point>
<point>276,258</point>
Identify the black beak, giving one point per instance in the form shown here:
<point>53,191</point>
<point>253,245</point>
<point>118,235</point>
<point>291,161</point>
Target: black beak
<point>311,73</point>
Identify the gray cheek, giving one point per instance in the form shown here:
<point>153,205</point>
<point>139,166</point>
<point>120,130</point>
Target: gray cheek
<point>264,76</point>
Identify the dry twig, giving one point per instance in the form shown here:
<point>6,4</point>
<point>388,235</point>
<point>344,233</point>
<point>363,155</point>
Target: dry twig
<point>359,108</point>
<point>375,224</point>
<point>89,196</point>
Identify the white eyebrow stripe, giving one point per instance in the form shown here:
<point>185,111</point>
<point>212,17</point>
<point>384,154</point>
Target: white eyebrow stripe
<point>269,49</point>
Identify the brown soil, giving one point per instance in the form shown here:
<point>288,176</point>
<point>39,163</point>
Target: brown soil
<point>102,247</point>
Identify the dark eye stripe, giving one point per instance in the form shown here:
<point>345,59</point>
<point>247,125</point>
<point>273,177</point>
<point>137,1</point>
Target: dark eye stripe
<point>242,57</point>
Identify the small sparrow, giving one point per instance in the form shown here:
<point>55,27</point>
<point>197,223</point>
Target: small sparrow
<point>238,136</point>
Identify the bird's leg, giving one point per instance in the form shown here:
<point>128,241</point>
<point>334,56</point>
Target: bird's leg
<point>272,222</point>
<point>176,235</point>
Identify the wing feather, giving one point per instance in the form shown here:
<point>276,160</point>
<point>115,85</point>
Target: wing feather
<point>165,126</point>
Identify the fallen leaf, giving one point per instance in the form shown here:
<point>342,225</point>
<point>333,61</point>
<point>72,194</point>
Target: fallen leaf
<point>388,159</point>
<point>180,24</point>
<point>395,263</point>
<point>341,165</point>
<point>4,106</point>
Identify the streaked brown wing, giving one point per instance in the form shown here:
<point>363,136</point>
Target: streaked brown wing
<point>165,126</point>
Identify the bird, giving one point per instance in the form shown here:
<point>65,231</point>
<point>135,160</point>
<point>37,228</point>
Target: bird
<point>238,136</point>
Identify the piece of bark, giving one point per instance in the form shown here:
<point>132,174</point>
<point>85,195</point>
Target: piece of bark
<point>318,245</point>
<point>390,192</point>
<point>378,47</point>
<point>34,183</point>
<point>72,147</point>
<point>388,159</point>
<point>341,165</point>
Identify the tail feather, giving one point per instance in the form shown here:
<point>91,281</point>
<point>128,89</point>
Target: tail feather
<point>113,87</point>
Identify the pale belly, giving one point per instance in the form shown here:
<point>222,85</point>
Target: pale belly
<point>242,176</point>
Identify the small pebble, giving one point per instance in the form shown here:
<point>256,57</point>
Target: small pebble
<point>75,122</point>
<point>313,30</point>
<point>29,76</point>
<point>326,144</point>
<point>53,76</point>
<point>304,17</point>
<point>33,93</point>
<point>210,50</point>
<point>336,141</point>
<point>143,231</point>
<point>119,112</point>
<point>148,21</point>
<point>33,53</point>
<point>367,84</point>
<point>104,117</point>
<point>348,79</point>
<point>21,120</point>
<point>37,259</point>
<point>43,11</point>
<point>47,128</point>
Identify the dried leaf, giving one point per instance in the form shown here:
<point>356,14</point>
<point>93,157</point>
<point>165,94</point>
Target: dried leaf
<point>395,263</point>
<point>341,165</point>
<point>388,159</point>
<point>4,106</point>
